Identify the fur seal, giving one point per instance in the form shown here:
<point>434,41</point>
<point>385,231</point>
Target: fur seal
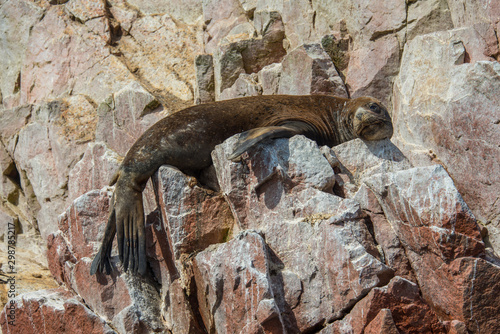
<point>186,139</point>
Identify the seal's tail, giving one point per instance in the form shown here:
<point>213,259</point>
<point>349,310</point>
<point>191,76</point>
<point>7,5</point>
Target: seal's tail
<point>102,260</point>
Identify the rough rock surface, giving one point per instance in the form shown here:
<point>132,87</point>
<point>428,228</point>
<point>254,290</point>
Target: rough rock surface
<point>363,237</point>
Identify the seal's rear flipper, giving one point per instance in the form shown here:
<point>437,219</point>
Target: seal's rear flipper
<point>102,260</point>
<point>251,137</point>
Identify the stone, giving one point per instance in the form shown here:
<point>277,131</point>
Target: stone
<point>465,13</point>
<point>425,17</point>
<point>373,67</point>
<point>245,85</point>
<point>17,18</point>
<point>409,313</point>
<point>123,14</point>
<point>264,186</point>
<point>435,241</point>
<point>220,17</point>
<point>65,58</point>
<point>129,303</point>
<point>382,324</point>
<point>205,85</point>
<point>446,112</point>
<point>125,116</point>
<point>269,78</point>
<point>361,159</point>
<point>85,10</point>
<point>188,12</point>
<point>194,217</point>
<point>283,189</point>
<point>93,171</point>
<point>48,148</point>
<point>461,290</point>
<point>235,294</point>
<point>158,46</point>
<point>249,55</point>
<point>309,70</point>
<point>52,311</point>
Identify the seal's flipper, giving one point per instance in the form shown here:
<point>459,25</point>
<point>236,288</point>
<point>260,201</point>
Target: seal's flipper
<point>102,260</point>
<point>251,137</point>
<point>130,229</point>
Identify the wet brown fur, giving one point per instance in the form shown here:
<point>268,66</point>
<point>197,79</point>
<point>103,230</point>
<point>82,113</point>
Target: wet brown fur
<point>186,139</point>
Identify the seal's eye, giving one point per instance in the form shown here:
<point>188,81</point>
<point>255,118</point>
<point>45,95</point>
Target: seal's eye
<point>375,108</point>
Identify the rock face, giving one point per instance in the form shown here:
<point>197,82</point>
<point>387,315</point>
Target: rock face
<point>397,236</point>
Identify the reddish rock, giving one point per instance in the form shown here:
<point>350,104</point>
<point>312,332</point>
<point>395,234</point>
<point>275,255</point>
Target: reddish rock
<point>235,288</point>
<point>463,290</point>
<point>51,311</point>
<point>64,57</point>
<point>281,189</point>
<point>309,70</point>
<point>18,18</point>
<point>400,302</point>
<point>125,116</point>
<point>453,88</point>
<point>115,297</point>
<point>382,324</point>
<point>220,17</point>
<point>286,180</point>
<point>93,171</point>
<point>248,55</point>
<point>194,217</point>
<point>373,67</point>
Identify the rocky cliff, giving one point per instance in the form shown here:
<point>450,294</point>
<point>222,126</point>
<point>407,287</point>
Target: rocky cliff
<point>397,236</point>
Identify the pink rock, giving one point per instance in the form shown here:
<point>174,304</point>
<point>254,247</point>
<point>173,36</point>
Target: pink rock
<point>114,297</point>
<point>237,294</point>
<point>18,18</point>
<point>220,16</point>
<point>248,55</point>
<point>309,70</point>
<point>159,46</point>
<point>459,124</point>
<point>290,179</point>
<point>194,217</point>
<point>372,68</point>
<point>125,116</point>
<point>51,311</point>
<point>93,171</point>
<point>65,57</point>
<point>282,189</point>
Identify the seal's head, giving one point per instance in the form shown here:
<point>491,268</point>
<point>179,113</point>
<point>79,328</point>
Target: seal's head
<point>370,119</point>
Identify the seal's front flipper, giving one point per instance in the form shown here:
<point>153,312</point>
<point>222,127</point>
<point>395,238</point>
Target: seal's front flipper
<point>251,137</point>
<point>102,260</point>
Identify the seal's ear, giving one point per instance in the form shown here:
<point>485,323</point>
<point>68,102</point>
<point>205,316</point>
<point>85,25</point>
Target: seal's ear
<point>251,137</point>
